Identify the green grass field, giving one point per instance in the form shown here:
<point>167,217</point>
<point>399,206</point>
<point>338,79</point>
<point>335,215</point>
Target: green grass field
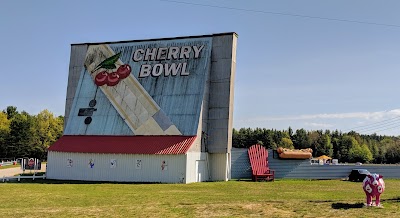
<point>282,198</point>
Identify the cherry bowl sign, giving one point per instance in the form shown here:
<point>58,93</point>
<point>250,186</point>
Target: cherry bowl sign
<point>162,54</point>
<point>141,85</point>
<point>164,103</point>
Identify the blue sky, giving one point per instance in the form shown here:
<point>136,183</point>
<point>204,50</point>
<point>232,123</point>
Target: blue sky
<point>291,70</point>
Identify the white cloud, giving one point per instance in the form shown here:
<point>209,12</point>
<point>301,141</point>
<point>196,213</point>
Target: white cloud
<point>376,116</point>
<point>319,125</point>
<point>382,122</point>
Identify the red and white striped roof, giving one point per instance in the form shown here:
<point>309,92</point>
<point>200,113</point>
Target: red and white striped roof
<point>165,144</point>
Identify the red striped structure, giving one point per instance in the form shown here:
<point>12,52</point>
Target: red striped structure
<point>165,144</point>
<point>258,156</point>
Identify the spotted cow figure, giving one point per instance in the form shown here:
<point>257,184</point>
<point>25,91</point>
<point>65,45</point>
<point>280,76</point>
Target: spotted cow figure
<point>373,186</point>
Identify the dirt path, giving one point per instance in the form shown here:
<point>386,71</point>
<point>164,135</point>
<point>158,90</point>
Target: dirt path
<point>17,170</point>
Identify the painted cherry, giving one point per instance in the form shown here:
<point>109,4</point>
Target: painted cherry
<point>113,79</point>
<point>124,71</point>
<point>101,78</point>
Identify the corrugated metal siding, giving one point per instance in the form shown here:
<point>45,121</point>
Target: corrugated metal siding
<point>192,169</point>
<point>241,168</point>
<point>105,120</point>
<point>124,144</point>
<point>302,169</point>
<point>125,171</point>
<point>140,112</point>
<point>179,148</point>
<point>180,97</point>
<point>78,53</point>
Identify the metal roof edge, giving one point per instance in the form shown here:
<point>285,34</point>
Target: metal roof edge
<point>178,147</point>
<point>129,136</point>
<point>156,39</point>
<point>76,152</point>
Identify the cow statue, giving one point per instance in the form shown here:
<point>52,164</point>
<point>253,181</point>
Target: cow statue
<point>373,186</point>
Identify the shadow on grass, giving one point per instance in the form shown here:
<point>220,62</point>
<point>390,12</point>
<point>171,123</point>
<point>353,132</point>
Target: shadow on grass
<point>347,206</point>
<point>31,174</point>
<point>391,200</point>
<point>320,201</point>
<point>250,180</point>
<point>242,180</point>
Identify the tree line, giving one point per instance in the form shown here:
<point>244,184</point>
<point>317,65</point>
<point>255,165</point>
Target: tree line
<point>25,135</point>
<point>346,147</point>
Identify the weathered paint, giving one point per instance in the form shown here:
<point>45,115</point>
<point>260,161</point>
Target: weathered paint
<point>105,120</point>
<point>220,108</point>
<point>76,67</point>
<point>132,102</point>
<point>148,105</point>
<point>199,101</point>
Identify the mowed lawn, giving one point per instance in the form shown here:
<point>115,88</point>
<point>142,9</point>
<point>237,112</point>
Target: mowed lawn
<point>282,198</point>
<point>9,166</point>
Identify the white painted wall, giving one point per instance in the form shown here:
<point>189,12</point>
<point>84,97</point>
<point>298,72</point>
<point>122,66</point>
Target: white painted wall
<point>197,163</point>
<point>125,170</point>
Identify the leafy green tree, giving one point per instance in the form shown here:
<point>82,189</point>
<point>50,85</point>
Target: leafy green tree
<point>336,138</point>
<point>4,132</point>
<point>290,132</point>
<point>20,137</point>
<point>269,139</point>
<point>24,135</point>
<point>373,147</point>
<point>286,143</point>
<point>4,122</point>
<point>300,139</point>
<point>344,146</point>
<point>325,146</point>
<point>11,111</point>
<point>258,136</point>
<point>314,141</point>
<point>393,153</point>
<point>359,153</point>
<point>347,147</point>
<point>47,129</point>
<point>237,139</point>
<point>384,146</point>
<point>356,136</point>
